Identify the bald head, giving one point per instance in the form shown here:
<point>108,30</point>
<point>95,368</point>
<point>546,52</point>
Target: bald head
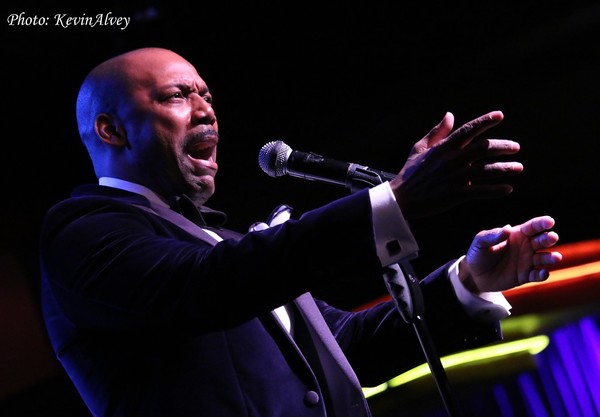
<point>106,84</point>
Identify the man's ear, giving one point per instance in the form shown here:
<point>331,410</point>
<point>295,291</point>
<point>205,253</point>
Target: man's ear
<point>109,130</point>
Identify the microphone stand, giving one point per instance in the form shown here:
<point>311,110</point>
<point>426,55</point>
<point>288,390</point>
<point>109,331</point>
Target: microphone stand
<point>403,286</point>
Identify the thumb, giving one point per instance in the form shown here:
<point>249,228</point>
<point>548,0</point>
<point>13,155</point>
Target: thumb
<point>441,130</point>
<point>492,237</point>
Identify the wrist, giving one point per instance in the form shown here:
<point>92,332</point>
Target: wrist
<point>466,278</point>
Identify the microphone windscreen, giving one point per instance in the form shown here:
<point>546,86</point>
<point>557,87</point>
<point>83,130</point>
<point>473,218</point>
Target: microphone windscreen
<point>273,157</point>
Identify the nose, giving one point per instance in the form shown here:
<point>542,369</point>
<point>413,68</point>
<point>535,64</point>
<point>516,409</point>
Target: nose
<point>202,111</point>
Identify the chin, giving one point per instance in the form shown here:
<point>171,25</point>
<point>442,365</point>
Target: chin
<point>201,193</point>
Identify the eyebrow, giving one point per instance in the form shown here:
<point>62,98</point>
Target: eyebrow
<point>189,84</point>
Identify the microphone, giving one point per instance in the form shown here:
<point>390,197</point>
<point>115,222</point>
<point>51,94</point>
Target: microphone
<point>277,159</point>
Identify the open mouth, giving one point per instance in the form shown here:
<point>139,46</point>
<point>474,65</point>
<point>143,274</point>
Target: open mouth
<point>202,147</point>
<point>201,150</point>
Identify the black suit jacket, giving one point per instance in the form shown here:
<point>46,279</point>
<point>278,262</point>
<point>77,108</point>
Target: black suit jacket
<point>151,319</point>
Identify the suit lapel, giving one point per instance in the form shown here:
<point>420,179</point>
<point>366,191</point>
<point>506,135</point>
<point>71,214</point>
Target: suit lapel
<point>180,221</point>
<point>344,393</point>
<point>324,341</point>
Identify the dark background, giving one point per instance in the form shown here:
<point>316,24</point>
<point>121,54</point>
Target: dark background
<point>356,83</point>
<point>359,83</point>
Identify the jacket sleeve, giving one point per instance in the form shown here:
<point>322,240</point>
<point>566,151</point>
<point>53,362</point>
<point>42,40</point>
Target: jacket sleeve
<point>380,345</point>
<point>113,265</point>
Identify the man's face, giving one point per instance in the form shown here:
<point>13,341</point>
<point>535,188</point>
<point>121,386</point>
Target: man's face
<point>170,125</point>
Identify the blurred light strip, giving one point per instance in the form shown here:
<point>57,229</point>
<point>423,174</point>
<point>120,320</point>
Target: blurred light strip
<point>558,277</point>
<point>583,270</point>
<point>562,276</point>
<point>531,345</point>
<point>589,268</point>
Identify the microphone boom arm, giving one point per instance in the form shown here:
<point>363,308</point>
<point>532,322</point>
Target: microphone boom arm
<point>360,177</point>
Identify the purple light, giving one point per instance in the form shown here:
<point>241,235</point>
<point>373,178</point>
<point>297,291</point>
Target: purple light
<point>590,356</point>
<point>533,399</point>
<point>552,391</point>
<point>569,343</point>
<point>552,360</point>
<point>503,401</point>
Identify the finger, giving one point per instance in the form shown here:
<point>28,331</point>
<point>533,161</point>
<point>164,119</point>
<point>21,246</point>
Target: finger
<point>535,275</point>
<point>536,225</point>
<point>487,148</point>
<point>546,259</point>
<point>544,240</point>
<point>495,170</point>
<point>542,261</point>
<point>467,132</point>
<point>441,130</point>
<point>480,172</point>
<point>491,237</point>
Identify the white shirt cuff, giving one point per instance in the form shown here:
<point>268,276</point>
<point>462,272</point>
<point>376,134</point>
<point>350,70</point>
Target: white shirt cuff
<point>394,240</point>
<point>487,306</point>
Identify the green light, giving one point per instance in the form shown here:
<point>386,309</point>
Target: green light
<point>370,391</point>
<point>532,345</point>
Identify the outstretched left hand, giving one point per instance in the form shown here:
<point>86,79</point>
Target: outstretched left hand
<point>506,257</point>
